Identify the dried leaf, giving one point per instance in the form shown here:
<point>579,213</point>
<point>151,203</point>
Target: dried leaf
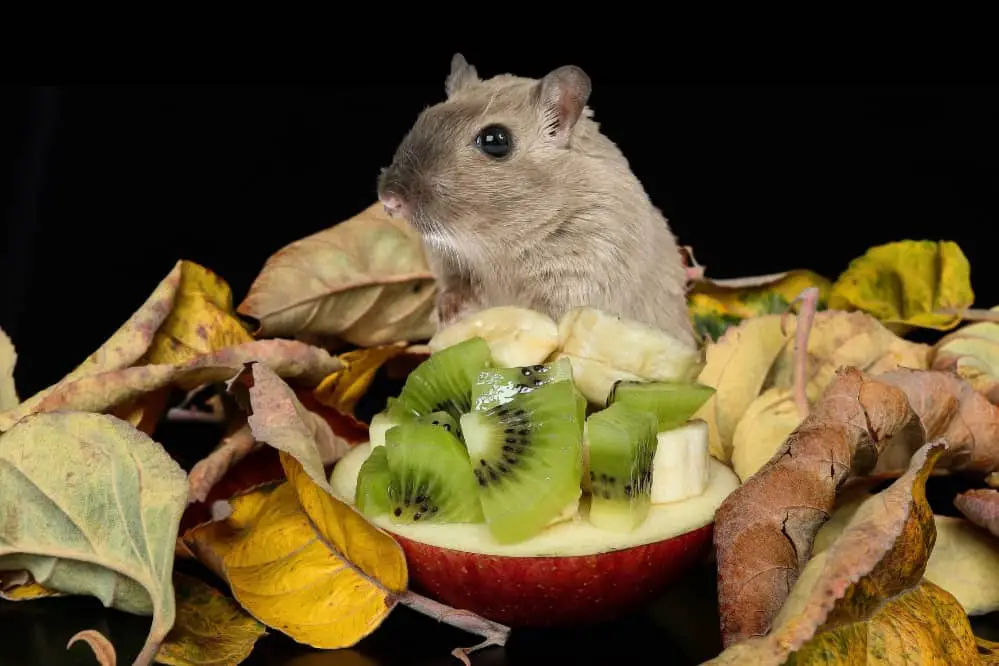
<point>764,426</point>
<point>365,281</point>
<point>964,561</point>
<point>305,563</point>
<point>211,629</point>
<point>765,528</point>
<point>737,367</point>
<point>981,506</point>
<point>8,360</point>
<point>907,283</point>
<point>125,347</point>
<point>866,600</point>
<point>277,418</point>
<point>949,409</point>
<point>757,356</point>
<point>342,389</point>
<point>209,471</point>
<point>201,320</point>
<point>100,392</point>
<point>717,304</point>
<point>103,650</point>
<point>90,505</point>
<point>20,586</point>
<point>972,352</point>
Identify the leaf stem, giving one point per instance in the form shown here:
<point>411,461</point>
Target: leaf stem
<point>809,304</point>
<point>493,632</point>
<point>178,414</point>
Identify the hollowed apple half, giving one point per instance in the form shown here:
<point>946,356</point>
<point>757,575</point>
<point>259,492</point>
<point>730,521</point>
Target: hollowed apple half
<point>570,573</point>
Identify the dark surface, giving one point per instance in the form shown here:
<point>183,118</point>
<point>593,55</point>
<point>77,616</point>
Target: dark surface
<point>104,187</point>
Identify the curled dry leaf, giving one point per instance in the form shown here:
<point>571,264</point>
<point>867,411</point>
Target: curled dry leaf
<point>754,363</point>
<point>20,586</point>
<point>209,471</point>
<point>765,528</point>
<point>342,389</point>
<point>90,505</point>
<point>128,344</point>
<point>303,562</point>
<point>867,600</point>
<point>99,392</point>
<point>211,629</point>
<point>907,283</point>
<point>8,360</point>
<point>964,561</point>
<point>972,352</point>
<point>200,321</point>
<point>364,281</point>
<point>981,506</point>
<point>715,305</point>
<point>276,417</point>
<point>949,409</point>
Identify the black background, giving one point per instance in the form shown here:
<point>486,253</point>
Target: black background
<point>104,187</point>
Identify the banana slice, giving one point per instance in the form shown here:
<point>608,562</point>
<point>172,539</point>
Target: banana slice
<point>680,466</point>
<point>595,379</point>
<point>516,336</point>
<point>627,345</point>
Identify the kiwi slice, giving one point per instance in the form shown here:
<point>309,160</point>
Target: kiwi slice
<point>384,421</point>
<point>371,496</point>
<point>431,477</point>
<point>528,459</point>
<point>443,383</point>
<point>497,386</point>
<point>622,445</point>
<point>673,403</point>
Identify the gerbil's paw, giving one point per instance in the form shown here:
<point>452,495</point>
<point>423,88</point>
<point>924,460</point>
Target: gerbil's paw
<point>452,304</point>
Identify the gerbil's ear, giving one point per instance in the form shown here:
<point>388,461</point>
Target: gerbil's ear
<point>462,74</point>
<point>562,95</point>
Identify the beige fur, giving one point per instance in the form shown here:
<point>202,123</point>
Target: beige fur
<point>560,222</point>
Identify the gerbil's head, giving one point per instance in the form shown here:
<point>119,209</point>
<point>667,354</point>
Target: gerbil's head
<point>490,156</point>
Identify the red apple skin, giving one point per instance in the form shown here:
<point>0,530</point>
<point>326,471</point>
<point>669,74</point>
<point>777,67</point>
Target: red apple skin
<point>553,591</point>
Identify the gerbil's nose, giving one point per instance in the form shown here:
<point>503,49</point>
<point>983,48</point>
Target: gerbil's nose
<point>394,204</point>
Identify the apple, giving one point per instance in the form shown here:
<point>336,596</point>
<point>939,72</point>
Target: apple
<point>569,573</point>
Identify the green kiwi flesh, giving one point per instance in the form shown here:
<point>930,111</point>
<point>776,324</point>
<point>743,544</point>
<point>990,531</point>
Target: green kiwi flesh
<point>527,458</point>
<point>371,496</point>
<point>443,383</point>
<point>673,403</point>
<point>431,477</point>
<point>622,444</point>
<point>497,386</point>
<point>382,422</point>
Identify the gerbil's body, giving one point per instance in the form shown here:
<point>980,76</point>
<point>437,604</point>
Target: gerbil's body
<point>522,201</point>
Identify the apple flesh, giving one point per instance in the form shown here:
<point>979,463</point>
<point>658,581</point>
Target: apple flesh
<point>569,573</point>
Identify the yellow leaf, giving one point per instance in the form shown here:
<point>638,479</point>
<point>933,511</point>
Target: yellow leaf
<point>907,283</point>
<point>866,601</point>
<point>342,389</point>
<point>201,320</point>
<point>304,563</point>
<point>764,426</point>
<point>972,352</point>
<point>364,281</point>
<point>20,586</point>
<point>211,629</point>
<point>737,367</point>
<point>964,561</point>
<point>715,305</point>
<point>8,359</point>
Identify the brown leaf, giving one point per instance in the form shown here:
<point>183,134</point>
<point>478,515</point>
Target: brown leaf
<point>364,281</point>
<point>981,506</point>
<point>866,601</point>
<point>950,409</point>
<point>99,392</point>
<point>209,471</point>
<point>765,528</point>
<point>102,647</point>
<point>125,347</point>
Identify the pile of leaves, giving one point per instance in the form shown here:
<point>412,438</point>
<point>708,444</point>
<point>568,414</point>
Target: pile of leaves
<point>812,411</point>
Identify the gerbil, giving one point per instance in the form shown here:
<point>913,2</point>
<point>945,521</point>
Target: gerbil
<point>521,200</point>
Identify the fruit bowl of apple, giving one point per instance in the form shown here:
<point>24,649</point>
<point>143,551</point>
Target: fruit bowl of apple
<point>515,497</point>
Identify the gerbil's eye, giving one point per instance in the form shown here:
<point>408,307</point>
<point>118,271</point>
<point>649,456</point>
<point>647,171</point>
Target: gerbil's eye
<point>494,141</point>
